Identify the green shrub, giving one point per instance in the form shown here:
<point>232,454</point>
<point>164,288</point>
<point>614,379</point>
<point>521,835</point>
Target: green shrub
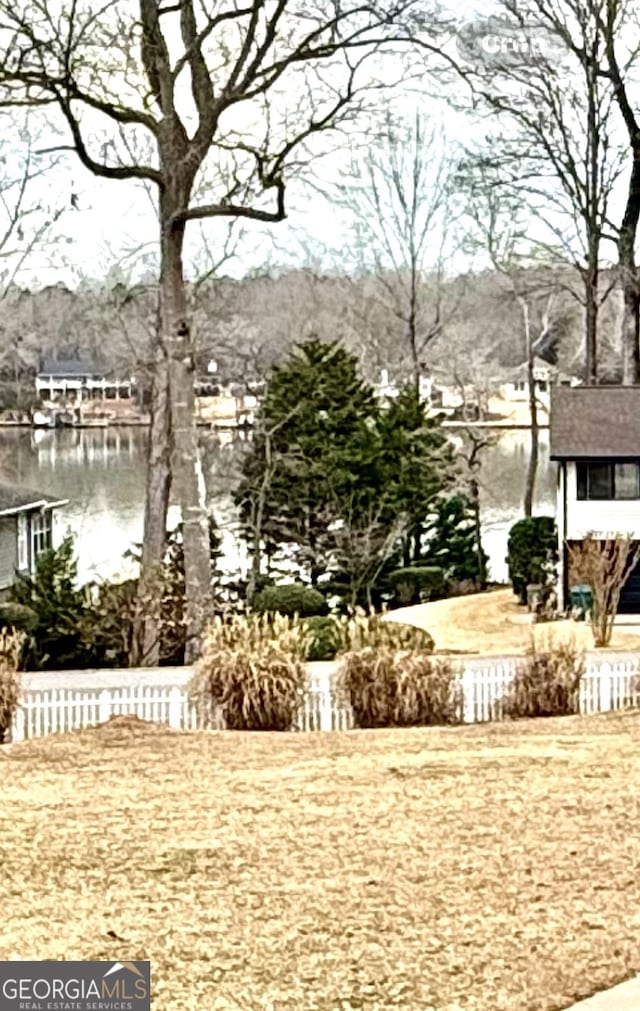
<point>413,584</point>
<point>10,648</point>
<point>290,599</point>
<point>18,616</point>
<point>387,688</point>
<point>251,675</point>
<point>362,630</point>
<point>60,608</point>
<point>532,553</point>
<point>325,637</point>
<point>546,683</point>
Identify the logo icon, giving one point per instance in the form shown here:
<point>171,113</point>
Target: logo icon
<point>500,44</point>
<point>85,986</point>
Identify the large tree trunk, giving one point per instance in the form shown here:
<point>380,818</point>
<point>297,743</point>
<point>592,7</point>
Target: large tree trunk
<point>629,276</point>
<point>630,334</point>
<point>591,323</point>
<point>187,477</point>
<point>146,636</point>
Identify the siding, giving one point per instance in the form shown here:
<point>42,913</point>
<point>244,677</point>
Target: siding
<point>8,550</point>
<point>605,517</point>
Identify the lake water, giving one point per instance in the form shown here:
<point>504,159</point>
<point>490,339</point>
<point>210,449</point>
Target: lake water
<point>101,472</point>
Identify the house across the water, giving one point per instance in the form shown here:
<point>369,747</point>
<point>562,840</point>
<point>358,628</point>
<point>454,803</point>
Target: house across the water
<point>27,529</point>
<point>595,439</point>
<point>73,379</point>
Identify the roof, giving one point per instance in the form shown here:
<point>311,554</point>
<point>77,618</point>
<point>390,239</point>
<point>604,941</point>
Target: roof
<point>17,500</point>
<point>67,367</point>
<point>538,364</point>
<point>595,422</point>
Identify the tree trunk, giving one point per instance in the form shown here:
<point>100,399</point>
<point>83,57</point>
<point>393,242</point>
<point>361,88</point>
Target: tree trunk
<point>146,634</point>
<point>629,276</point>
<point>477,532</point>
<point>188,480</point>
<point>591,325</point>
<point>532,468</point>
<point>630,334</point>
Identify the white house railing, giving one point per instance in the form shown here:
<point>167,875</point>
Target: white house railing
<point>610,683</point>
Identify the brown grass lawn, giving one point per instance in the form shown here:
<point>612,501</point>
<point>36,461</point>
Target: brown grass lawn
<point>493,623</point>
<point>488,867</point>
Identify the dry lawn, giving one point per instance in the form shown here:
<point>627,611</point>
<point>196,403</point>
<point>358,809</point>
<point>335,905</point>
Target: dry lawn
<point>494,623</point>
<point>489,867</point>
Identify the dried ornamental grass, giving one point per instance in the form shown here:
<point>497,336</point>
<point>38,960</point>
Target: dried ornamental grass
<point>10,646</point>
<point>251,675</point>
<point>390,688</point>
<point>547,682</point>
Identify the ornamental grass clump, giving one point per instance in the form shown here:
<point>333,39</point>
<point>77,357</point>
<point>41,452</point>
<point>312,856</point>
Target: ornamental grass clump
<point>11,643</point>
<point>547,682</point>
<point>251,675</point>
<point>390,688</point>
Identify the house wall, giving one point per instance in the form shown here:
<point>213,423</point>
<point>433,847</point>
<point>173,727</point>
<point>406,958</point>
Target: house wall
<point>8,550</point>
<point>604,517</point>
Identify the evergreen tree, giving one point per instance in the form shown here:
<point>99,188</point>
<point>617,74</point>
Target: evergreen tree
<point>451,542</point>
<point>344,482</point>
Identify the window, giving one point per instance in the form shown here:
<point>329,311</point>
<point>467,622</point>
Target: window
<point>608,481</point>
<point>23,544</point>
<point>40,534</point>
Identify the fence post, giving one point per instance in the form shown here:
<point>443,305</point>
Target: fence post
<point>326,701</point>
<point>104,705</point>
<point>17,728</point>
<point>605,686</point>
<point>468,699</point>
<point>176,704</point>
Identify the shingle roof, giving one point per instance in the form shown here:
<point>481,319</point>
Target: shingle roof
<point>595,422</point>
<point>67,367</point>
<point>14,499</point>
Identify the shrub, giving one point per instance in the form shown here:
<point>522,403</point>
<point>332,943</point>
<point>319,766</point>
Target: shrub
<point>414,584</point>
<point>18,616</point>
<point>290,599</point>
<point>362,630</point>
<point>10,648</point>
<point>252,672</point>
<point>546,683</point>
<point>59,607</point>
<point>532,553</point>
<point>386,688</point>
<point>324,634</point>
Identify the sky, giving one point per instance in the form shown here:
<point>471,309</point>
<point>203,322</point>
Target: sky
<point>108,229</point>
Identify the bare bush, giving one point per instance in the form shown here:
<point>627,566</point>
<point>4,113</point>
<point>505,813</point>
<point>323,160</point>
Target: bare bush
<point>390,688</point>
<point>604,565</point>
<point>547,682</point>
<point>251,675</point>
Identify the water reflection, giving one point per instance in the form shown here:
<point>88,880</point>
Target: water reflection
<point>101,472</point>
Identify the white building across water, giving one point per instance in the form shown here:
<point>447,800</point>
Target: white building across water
<point>73,379</point>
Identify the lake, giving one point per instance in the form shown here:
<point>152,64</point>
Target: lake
<point>101,472</point>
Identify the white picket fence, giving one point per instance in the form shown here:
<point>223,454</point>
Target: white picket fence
<point>610,683</point>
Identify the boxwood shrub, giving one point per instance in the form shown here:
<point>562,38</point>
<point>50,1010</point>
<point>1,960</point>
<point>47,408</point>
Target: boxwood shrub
<point>413,584</point>
<point>290,599</point>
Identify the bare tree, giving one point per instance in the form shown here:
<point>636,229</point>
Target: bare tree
<point>399,198</point>
<point>556,147</point>
<point>27,229</point>
<point>501,231</point>
<point>604,565</point>
<point>244,87</point>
